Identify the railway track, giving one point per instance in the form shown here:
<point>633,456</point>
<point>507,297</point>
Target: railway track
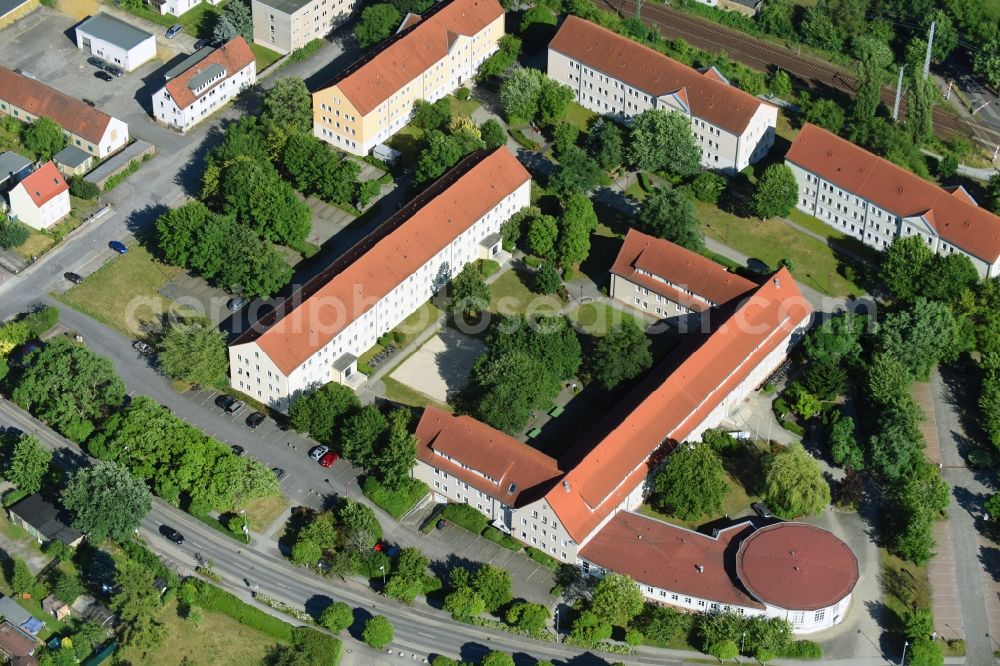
<point>762,56</point>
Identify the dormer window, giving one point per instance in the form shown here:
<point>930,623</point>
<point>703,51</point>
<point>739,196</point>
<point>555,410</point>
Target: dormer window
<point>204,79</point>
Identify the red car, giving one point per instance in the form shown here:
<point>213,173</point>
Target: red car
<point>329,458</point>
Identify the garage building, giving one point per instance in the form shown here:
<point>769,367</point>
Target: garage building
<point>116,41</point>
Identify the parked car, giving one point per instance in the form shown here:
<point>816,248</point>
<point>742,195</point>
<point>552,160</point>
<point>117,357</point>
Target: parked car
<point>142,347</point>
<point>224,401</point>
<point>236,302</point>
<point>88,102</point>
<point>236,407</point>
<point>172,534</point>
<point>255,420</point>
<point>114,71</point>
<point>238,450</point>
<point>329,458</point>
<point>118,247</point>
<point>200,44</point>
<point>279,473</point>
<point>441,524</point>
<point>762,510</point>
<point>103,76</point>
<point>173,30</point>
<point>73,277</point>
<point>96,62</point>
<point>318,452</point>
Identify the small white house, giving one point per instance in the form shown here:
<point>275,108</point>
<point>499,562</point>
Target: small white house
<point>116,41</point>
<point>204,82</point>
<point>41,199</point>
<point>178,7</point>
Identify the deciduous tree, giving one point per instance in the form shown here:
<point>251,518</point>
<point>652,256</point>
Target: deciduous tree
<point>576,172</point>
<point>606,144</point>
<point>288,104</point>
<point>469,293</point>
<point>43,138</point>
<point>464,603</point>
<point>361,430</point>
<point>106,502</point>
<point>194,351</point>
<point>663,141</point>
<point>28,464</point>
<point>493,134</point>
<point>616,599</point>
<point>777,192</point>
<point>844,447</point>
<point>520,93</point>
<point>669,214</point>
<point>493,585</point>
<point>621,354</point>
<point>691,484</point>
<point>377,22</point>
<point>542,235</point>
<point>321,412</point>
<point>336,617</point>
<point>794,484</point>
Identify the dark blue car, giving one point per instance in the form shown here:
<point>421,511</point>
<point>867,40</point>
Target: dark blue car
<point>118,247</point>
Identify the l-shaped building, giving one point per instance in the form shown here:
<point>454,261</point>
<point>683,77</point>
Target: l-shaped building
<point>316,334</point>
<point>615,76</point>
<point>876,201</point>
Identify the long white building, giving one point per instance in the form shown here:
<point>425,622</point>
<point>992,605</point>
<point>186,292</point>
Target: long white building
<point>875,201</point>
<point>615,76</point>
<point>204,82</point>
<point>315,336</point>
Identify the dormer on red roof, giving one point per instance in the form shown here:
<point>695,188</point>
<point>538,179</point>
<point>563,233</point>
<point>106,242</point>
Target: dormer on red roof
<point>216,67</point>
<point>44,184</point>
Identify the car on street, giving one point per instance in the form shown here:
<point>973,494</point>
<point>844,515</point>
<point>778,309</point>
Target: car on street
<point>762,510</point>
<point>173,30</point>
<point>224,401</point>
<point>255,420</point>
<point>103,76</point>
<point>236,407</point>
<point>235,303</point>
<point>172,534</point>
<point>96,62</point>
<point>143,348</point>
<point>329,458</point>
<point>114,71</point>
<point>200,44</point>
<point>279,473</point>
<point>118,247</point>
<point>238,450</point>
<point>318,452</point>
<point>73,277</point>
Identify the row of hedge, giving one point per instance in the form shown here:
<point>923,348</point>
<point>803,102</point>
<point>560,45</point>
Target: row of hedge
<point>217,600</point>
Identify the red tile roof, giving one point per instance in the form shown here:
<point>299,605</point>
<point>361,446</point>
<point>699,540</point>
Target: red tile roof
<point>40,100</point>
<point>513,467</point>
<point>44,184</point>
<point>381,263</point>
<point>672,407</point>
<point>668,557</point>
<point>681,267</point>
<point>232,56</point>
<point>796,566</point>
<point>405,57</point>
<point>896,190</point>
<point>652,72</point>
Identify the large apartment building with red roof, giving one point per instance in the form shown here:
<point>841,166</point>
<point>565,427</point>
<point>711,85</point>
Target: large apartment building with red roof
<point>615,76</point>
<point>316,335</point>
<point>430,55</point>
<point>204,82</point>
<point>668,281</point>
<point>876,201</point>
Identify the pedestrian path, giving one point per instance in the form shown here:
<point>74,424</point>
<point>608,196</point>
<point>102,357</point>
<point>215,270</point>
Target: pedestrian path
<point>921,394</point>
<point>945,600</point>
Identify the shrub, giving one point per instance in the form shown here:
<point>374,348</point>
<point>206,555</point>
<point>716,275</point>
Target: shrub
<point>488,268</point>
<point>634,637</point>
<point>465,516</point>
<point>13,496</point>
<point>41,321</point>
<point>498,537</point>
<point>304,52</point>
<point>83,189</point>
<point>793,428</point>
<point>802,650</point>
<point>12,233</point>
<point>139,553</point>
<point>542,558</point>
<point>708,187</point>
<point>462,94</point>
<point>521,139</point>
<point>215,599</point>
<point>378,632</point>
<point>394,502</point>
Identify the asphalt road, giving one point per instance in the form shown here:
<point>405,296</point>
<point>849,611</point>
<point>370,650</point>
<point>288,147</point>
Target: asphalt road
<point>420,630</point>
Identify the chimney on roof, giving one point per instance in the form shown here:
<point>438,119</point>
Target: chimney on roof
<point>791,553</point>
<point>777,283</point>
<point>700,568</point>
<point>566,486</point>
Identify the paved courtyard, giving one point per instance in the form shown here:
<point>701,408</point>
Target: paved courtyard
<point>441,367</point>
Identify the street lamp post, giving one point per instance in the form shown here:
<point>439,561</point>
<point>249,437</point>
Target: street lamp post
<point>246,525</point>
<point>906,644</point>
<point>743,638</point>
<point>382,569</point>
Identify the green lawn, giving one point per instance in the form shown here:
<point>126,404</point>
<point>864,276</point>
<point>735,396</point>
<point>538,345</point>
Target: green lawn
<point>198,22</point>
<point>40,242</point>
<point>816,264</point>
<point>263,511</point>
<point>579,116</point>
<point>462,108</point>
<point>598,318</point>
<point>217,639</point>
<point>265,57</point>
<point>407,142</point>
<point>817,226</point>
<point>509,295</point>
<point>421,319</point>
<point>124,293</point>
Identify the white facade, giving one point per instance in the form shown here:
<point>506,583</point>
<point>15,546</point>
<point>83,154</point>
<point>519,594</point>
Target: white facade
<point>874,226</point>
<point>721,150</point>
<point>208,97</point>
<point>128,59</point>
<point>178,7</point>
<point>253,373</point>
<point>286,25</point>
<point>23,207</point>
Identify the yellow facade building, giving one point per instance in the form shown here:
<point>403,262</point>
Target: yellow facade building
<point>430,55</point>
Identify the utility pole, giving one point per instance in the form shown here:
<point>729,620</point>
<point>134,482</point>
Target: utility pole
<point>930,43</point>
<point>899,94</point>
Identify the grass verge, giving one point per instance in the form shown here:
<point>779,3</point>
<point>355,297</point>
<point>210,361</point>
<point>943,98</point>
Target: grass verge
<point>395,502</point>
<point>598,319</point>
<point>509,295</point>
<point>403,394</point>
<point>263,511</point>
<point>265,57</point>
